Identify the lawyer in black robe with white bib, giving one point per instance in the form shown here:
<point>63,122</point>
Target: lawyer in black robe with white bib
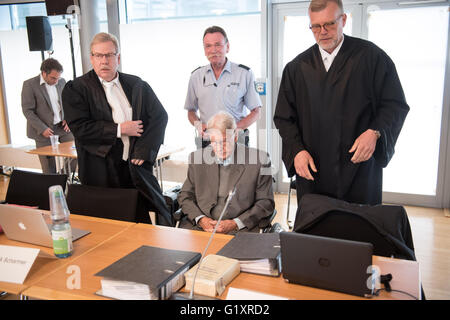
<point>90,117</point>
<point>324,113</point>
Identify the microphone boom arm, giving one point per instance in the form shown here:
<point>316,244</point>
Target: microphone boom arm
<point>230,196</point>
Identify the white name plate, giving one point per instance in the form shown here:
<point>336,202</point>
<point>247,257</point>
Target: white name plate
<point>242,294</point>
<point>16,262</point>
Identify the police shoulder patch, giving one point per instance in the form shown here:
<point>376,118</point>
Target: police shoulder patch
<point>243,66</point>
<point>196,69</point>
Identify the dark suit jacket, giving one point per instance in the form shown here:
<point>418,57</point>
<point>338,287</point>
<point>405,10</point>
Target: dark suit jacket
<point>37,108</point>
<point>251,175</point>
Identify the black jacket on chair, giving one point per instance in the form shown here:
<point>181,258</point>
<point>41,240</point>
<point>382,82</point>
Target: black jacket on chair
<point>385,226</point>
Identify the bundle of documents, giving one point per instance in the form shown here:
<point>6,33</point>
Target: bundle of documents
<point>148,273</point>
<point>126,290</point>
<point>256,252</point>
<point>260,266</point>
<point>215,273</point>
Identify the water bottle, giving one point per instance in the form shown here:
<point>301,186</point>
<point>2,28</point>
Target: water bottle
<point>61,230</point>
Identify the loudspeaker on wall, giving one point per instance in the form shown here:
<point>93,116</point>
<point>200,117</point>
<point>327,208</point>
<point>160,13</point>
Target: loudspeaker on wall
<point>59,7</point>
<point>39,33</point>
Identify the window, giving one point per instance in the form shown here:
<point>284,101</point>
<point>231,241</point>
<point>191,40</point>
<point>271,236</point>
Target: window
<point>420,56</point>
<point>19,64</point>
<point>144,10</point>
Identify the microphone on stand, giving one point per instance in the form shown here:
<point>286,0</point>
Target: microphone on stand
<point>184,295</point>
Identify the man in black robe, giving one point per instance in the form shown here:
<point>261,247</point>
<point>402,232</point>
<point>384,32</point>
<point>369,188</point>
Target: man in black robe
<point>118,124</point>
<point>339,111</point>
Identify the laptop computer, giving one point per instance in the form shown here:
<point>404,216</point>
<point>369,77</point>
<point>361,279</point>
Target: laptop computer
<point>327,263</point>
<point>28,225</point>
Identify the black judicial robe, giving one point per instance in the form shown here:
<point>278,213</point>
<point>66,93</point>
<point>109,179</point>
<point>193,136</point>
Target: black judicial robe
<point>99,151</point>
<point>324,112</point>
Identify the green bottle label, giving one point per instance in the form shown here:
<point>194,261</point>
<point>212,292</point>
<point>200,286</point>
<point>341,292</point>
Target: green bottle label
<point>62,241</point>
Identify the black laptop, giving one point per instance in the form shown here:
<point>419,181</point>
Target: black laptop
<point>327,263</point>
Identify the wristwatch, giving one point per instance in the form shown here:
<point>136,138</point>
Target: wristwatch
<point>377,133</point>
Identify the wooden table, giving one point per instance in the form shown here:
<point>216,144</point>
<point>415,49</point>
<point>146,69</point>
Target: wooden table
<point>66,151</point>
<point>63,152</point>
<point>102,230</point>
<point>406,273</point>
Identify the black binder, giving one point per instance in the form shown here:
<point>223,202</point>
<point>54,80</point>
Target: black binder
<point>158,268</point>
<point>256,252</point>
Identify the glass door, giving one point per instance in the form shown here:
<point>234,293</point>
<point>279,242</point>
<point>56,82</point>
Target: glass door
<point>417,43</point>
<point>415,36</point>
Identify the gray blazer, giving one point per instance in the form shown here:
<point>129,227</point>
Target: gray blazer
<point>37,108</point>
<point>251,175</point>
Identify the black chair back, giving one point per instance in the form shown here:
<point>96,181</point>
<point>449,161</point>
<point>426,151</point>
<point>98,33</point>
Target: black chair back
<point>385,226</point>
<point>347,226</point>
<point>109,203</point>
<point>31,188</point>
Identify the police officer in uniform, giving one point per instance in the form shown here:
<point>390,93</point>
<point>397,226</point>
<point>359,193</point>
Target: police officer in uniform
<point>221,86</point>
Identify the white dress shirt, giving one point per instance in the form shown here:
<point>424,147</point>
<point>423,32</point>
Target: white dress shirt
<point>121,109</point>
<point>54,100</point>
<point>328,58</point>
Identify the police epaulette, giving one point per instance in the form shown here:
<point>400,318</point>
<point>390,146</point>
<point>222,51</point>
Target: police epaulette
<point>245,67</point>
<point>196,69</point>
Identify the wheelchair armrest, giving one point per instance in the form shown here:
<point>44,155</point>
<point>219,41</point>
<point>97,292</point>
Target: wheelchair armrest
<point>178,215</point>
<point>265,223</point>
<point>293,184</point>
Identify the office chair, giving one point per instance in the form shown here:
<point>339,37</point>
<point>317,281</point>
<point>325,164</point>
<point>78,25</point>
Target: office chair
<point>385,226</point>
<point>109,203</point>
<point>31,188</point>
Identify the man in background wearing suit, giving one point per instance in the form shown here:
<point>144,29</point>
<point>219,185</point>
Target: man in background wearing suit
<point>41,105</point>
<point>215,170</point>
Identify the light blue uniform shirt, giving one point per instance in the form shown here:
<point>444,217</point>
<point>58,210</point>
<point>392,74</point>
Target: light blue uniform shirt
<point>233,92</point>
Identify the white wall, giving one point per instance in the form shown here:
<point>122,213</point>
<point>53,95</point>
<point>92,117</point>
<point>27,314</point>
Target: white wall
<point>165,52</point>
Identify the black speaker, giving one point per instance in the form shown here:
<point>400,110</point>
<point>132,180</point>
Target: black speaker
<point>39,33</point>
<point>59,7</point>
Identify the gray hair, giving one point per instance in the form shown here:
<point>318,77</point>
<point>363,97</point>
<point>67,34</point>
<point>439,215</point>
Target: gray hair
<point>319,5</point>
<point>105,37</point>
<point>215,29</point>
<point>222,121</point>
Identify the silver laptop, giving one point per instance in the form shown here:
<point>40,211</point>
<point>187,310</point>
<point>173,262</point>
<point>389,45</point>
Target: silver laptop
<point>327,263</point>
<point>28,225</point>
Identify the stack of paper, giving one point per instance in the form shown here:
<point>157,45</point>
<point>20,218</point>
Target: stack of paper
<point>215,273</point>
<point>148,273</point>
<point>256,252</point>
<point>126,290</point>
<point>261,266</point>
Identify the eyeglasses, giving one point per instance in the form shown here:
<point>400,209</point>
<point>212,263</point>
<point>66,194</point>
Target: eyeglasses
<point>316,28</point>
<point>106,55</point>
<point>221,144</point>
<point>225,140</point>
<point>215,45</point>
